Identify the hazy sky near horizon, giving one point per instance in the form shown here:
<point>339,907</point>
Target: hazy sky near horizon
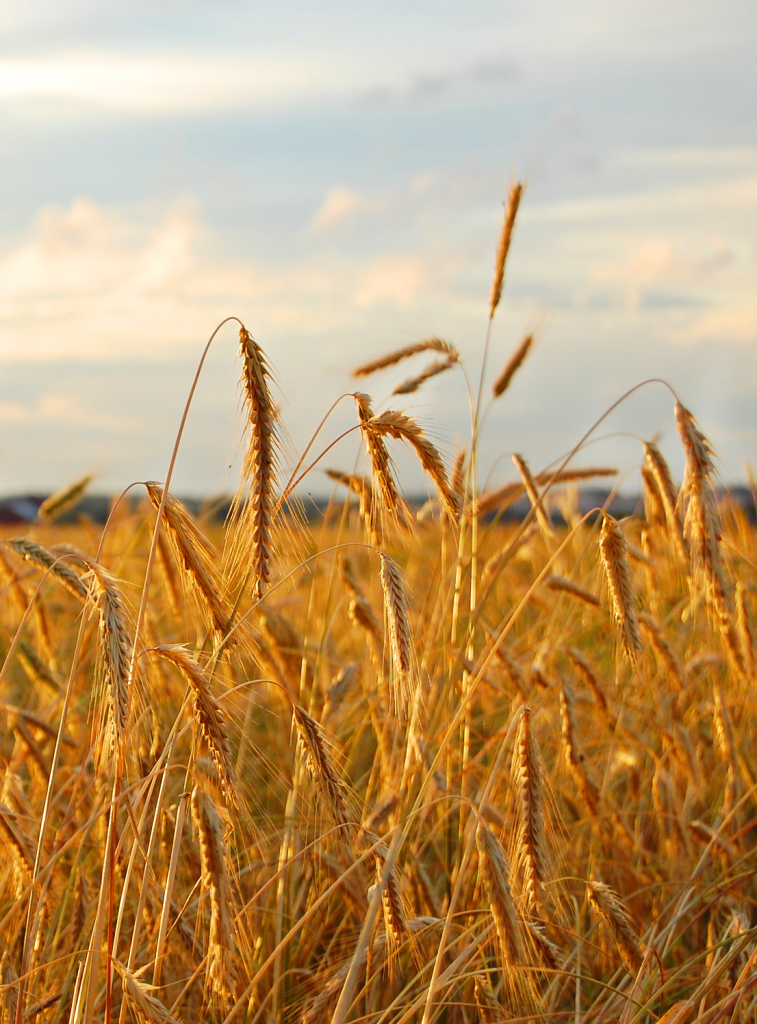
<point>333,174</point>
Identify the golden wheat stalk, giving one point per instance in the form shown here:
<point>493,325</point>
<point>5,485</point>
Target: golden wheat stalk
<point>606,902</point>
<point>116,649</point>
<point>548,952</point>
<point>491,501</point>
<point>66,498</point>
<point>529,485</point>
<point>395,919</point>
<point>392,358</point>
<point>589,675</point>
<point>502,383</point>
<point>576,761</point>
<point>659,472</point>
<point>381,465</point>
<point>400,636</point>
<point>321,765</point>
<point>532,842</point>
<point>252,511</point>
<point>141,998</point>
<point>208,715</point>
<point>411,385</point>
<point>14,838</point>
<point>284,639</point>
<point>663,649</point>
<point>489,1007</point>
<point>504,244</point>
<point>45,559</point>
<point>613,549</point>
<point>361,487</point>
<point>744,629</point>
<point>701,529</point>
<point>561,584</point>
<point>402,428</point>
<point>36,669</point>
<point>165,561</point>
<point>216,882</point>
<point>495,873</point>
<point>194,555</point>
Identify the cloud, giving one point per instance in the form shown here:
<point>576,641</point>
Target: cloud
<point>398,281</point>
<point>166,82</point>
<point>733,323</point>
<point>92,282</point>
<point>480,76</point>
<point>85,250</point>
<point>344,205</point>
<point>62,410</point>
<point>338,206</point>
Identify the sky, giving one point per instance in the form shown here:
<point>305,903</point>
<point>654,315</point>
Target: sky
<point>334,174</point>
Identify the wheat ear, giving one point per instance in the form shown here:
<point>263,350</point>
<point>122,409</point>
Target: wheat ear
<point>392,358</point>
<point>701,530</point>
<point>64,499</point>
<point>116,649</point>
<point>663,649</point>
<point>147,1006</point>
<point>380,461</point>
<point>489,1007</point>
<point>610,907</point>
<point>576,761</point>
<point>504,244</point>
<point>395,920</point>
<point>253,507</point>
<point>361,487</point>
<point>411,385</point>
<point>495,873</point>
<point>492,500</point>
<point>502,383</point>
<point>208,715</point>
<point>36,669</point>
<point>746,636</point>
<point>661,475</point>
<point>532,842</point>
<point>215,880</point>
<point>45,559</point>
<point>14,838</point>
<point>529,485</point>
<point>402,428</point>
<point>400,636</point>
<point>194,554</point>
<point>589,675</point>
<point>320,764</point>
<point>613,549</point>
<point>560,583</point>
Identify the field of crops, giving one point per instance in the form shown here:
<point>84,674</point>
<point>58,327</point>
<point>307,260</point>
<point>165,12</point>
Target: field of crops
<point>386,766</point>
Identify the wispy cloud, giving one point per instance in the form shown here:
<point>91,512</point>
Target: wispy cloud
<point>122,283</point>
<point>163,82</point>
<point>339,206</point>
<point>62,410</point>
<point>343,204</point>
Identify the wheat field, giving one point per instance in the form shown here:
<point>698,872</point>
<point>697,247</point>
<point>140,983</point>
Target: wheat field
<point>386,765</point>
